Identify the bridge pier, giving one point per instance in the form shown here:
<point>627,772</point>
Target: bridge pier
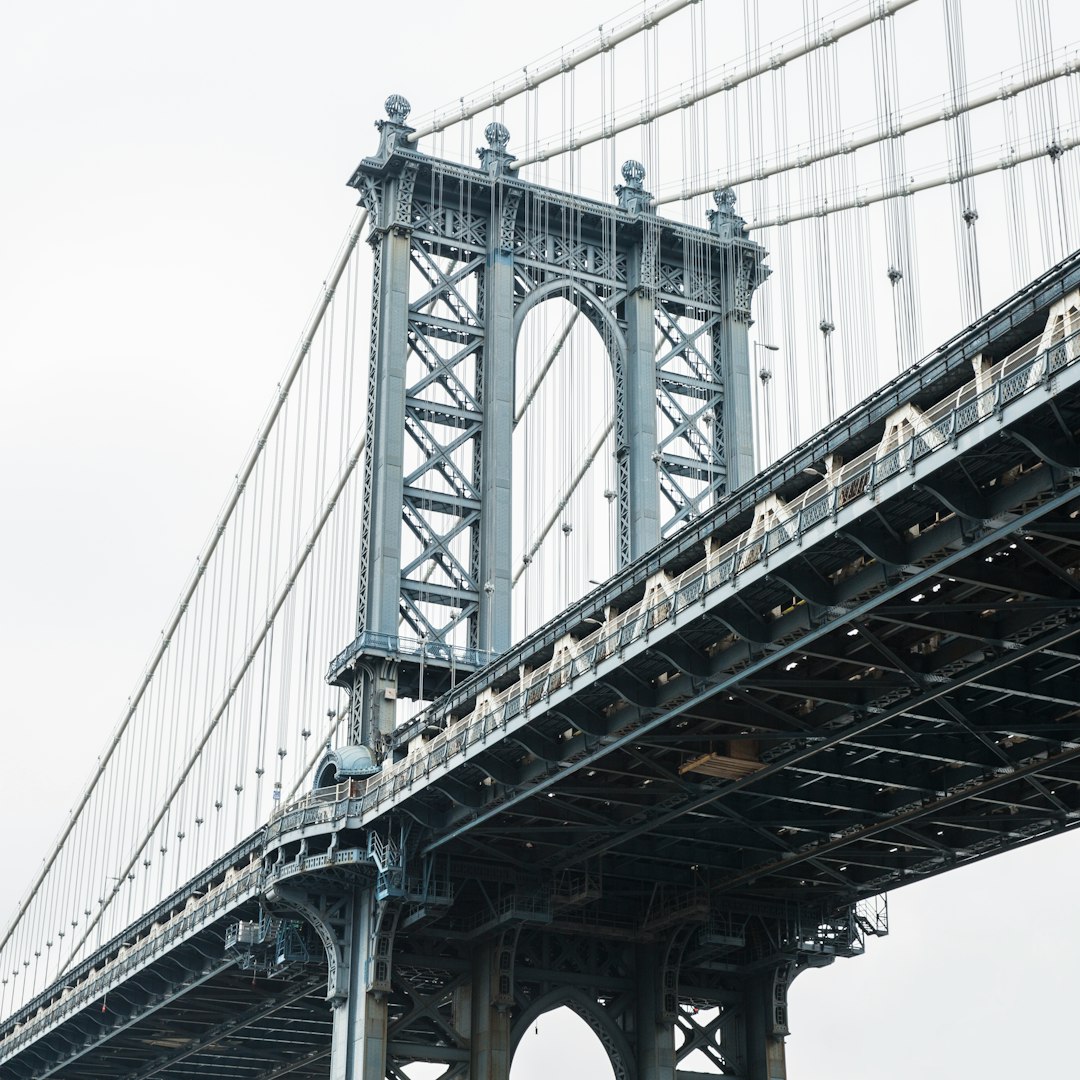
<point>358,1050</point>
<point>655,1027</point>
<point>653,1019</point>
<point>490,1051</point>
<point>765,1003</point>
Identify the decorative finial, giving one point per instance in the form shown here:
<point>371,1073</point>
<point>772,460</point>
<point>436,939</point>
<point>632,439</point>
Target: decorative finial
<point>397,108</point>
<point>393,132</point>
<point>724,197</point>
<point>633,172</point>
<point>497,135</point>
<point>494,159</point>
<point>632,195</point>
<point>724,221</point>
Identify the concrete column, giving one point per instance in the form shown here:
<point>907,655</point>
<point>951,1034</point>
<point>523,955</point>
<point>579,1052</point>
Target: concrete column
<point>358,1047</point>
<point>490,1023</point>
<point>639,422</point>
<point>496,518</point>
<point>655,1035</point>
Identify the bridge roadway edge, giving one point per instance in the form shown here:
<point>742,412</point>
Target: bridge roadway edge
<point>1012,323</point>
<point>1061,494</point>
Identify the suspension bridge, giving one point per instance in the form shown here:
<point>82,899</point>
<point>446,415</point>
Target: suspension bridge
<point>655,686</point>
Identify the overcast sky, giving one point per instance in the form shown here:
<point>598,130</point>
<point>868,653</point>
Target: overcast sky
<point>171,194</point>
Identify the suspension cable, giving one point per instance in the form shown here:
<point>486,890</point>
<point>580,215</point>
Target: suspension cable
<point>1069,66</point>
<point>549,523</point>
<point>546,366</point>
<point>528,80</point>
<point>646,113</point>
<point>238,677</point>
<point>1055,150</point>
<point>302,349</point>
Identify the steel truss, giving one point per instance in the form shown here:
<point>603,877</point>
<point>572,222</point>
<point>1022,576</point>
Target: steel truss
<point>462,255</point>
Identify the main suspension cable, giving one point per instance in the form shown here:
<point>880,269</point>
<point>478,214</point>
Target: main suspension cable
<point>529,80</point>
<point>646,113</point>
<point>302,349</point>
<point>1053,151</point>
<point>1069,66</point>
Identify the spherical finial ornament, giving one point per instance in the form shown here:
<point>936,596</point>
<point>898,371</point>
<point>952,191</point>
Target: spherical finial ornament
<point>497,135</point>
<point>397,108</point>
<point>633,172</point>
<point>724,197</point>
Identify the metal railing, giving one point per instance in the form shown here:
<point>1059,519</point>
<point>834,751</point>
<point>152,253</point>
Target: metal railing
<point>1021,373</point>
<point>200,912</point>
<point>468,659</point>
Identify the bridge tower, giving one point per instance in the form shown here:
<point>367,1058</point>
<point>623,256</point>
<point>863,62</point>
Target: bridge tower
<point>461,255</point>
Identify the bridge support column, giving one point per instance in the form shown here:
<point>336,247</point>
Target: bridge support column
<point>743,272</point>
<point>384,463</point>
<point>765,1005</point>
<point>489,1019</point>
<point>655,1029</point>
<point>386,437</point>
<point>358,1050</point>
<point>496,472</point>
<point>734,347</point>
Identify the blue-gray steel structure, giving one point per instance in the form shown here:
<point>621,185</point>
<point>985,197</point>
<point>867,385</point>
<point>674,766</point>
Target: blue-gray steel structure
<point>461,257</point>
<point>856,670</point>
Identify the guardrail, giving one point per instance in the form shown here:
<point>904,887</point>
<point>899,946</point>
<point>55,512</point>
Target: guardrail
<point>199,913</point>
<point>411,648</point>
<point>1022,372</point>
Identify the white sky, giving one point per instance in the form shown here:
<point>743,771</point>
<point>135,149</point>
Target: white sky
<point>171,194</point>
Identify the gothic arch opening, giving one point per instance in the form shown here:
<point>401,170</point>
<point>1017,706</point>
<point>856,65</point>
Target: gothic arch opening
<point>565,482</point>
<point>424,1070</point>
<point>547,1043</point>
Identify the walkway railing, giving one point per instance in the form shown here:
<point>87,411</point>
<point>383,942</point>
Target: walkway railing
<point>436,652</point>
<point>201,911</point>
<point>1023,372</point>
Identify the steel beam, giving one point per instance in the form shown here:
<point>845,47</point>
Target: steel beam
<point>636,429</point>
<point>496,472</point>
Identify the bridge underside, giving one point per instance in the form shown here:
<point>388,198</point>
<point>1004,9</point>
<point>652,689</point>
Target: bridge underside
<point>232,1025</point>
<point>678,812</point>
<point>811,739</point>
<point>193,1012</point>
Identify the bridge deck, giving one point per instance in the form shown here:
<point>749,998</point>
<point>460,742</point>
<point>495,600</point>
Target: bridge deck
<point>876,684</point>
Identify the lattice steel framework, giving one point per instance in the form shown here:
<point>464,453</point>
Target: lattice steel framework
<point>461,257</point>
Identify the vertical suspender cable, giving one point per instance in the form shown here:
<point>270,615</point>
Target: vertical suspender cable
<point>314,320</point>
<point>249,657</point>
